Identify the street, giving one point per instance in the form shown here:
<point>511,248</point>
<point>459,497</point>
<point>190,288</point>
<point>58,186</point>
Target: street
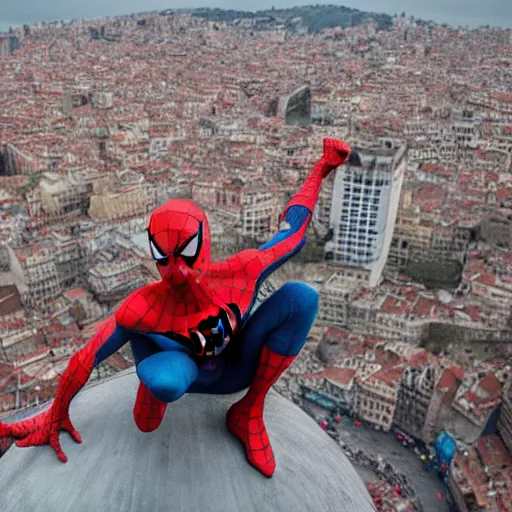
<point>425,484</point>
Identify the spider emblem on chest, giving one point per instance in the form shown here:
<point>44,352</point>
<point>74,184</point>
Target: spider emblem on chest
<point>214,333</point>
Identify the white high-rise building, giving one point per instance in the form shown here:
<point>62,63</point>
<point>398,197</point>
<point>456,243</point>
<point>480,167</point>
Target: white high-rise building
<point>365,202</point>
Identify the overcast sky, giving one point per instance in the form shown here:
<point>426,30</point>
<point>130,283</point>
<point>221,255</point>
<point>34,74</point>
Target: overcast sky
<point>455,12</point>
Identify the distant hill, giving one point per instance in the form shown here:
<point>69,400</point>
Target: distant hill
<point>312,17</point>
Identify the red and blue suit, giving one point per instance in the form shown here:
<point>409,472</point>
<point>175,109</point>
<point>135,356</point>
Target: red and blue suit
<point>193,331</point>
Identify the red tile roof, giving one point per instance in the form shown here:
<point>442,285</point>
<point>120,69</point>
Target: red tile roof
<point>473,311</point>
<point>448,383</point>
<point>76,293</point>
<point>391,377</point>
<point>486,279</point>
<point>393,305</point>
<point>458,372</point>
<point>494,453</point>
<point>423,307</point>
<point>339,375</point>
<point>440,170</point>
<point>491,385</point>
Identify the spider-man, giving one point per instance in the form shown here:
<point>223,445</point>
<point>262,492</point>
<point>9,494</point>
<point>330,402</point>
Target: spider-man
<point>192,332</point>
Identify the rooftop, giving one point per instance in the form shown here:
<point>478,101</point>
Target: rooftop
<point>192,445</point>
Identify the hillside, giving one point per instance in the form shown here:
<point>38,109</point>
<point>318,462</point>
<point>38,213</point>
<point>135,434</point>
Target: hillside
<point>314,18</point>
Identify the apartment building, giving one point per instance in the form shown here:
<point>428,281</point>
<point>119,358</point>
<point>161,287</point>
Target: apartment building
<point>376,397</point>
<point>252,210</point>
<point>364,208</point>
<point>40,272</point>
<point>505,420</point>
<point>334,301</point>
<point>114,280</point>
<point>417,241</point>
<point>481,478</point>
<point>413,399</point>
<point>60,197</point>
<point>20,161</point>
<point>135,200</point>
<point>261,208</point>
<point>68,260</point>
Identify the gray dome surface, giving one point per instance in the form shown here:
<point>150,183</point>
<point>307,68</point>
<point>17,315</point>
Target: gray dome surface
<point>190,464</point>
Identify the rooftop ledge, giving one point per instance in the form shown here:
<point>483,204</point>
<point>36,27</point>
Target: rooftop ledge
<point>190,464</point>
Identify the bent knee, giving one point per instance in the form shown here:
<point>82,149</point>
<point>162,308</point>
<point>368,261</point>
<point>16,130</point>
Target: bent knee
<point>167,394</point>
<point>163,385</point>
<point>304,297</point>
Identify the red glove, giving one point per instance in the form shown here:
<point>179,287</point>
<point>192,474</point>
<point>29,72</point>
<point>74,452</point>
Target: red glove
<point>41,429</point>
<point>336,153</point>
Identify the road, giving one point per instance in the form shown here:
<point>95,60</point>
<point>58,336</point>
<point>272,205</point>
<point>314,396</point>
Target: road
<point>426,485</point>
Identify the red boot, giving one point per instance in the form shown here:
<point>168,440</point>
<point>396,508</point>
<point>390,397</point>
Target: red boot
<point>148,411</point>
<point>245,418</point>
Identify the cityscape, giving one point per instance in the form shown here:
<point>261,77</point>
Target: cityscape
<point>410,245</point>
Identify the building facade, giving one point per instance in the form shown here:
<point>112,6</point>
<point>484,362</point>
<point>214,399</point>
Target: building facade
<point>376,397</point>
<point>364,208</point>
<point>40,272</point>
<point>505,420</point>
<point>414,394</point>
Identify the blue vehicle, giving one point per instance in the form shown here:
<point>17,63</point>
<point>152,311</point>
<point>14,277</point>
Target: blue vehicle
<point>323,400</point>
<point>445,449</point>
<point>317,399</point>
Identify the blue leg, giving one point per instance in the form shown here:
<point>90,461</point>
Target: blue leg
<point>282,322</point>
<point>167,374</point>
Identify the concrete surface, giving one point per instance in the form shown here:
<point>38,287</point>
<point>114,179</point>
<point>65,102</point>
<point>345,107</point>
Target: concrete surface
<point>190,464</point>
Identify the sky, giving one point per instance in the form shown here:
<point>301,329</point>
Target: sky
<point>454,12</point>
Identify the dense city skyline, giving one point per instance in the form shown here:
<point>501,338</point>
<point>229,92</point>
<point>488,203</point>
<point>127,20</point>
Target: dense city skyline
<point>408,364</point>
<point>456,12</point>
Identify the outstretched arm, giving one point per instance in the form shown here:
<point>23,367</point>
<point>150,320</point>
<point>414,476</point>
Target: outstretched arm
<point>109,338</point>
<point>297,214</point>
<point>45,427</point>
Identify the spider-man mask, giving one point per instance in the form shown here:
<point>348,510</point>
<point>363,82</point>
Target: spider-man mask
<point>179,239</point>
